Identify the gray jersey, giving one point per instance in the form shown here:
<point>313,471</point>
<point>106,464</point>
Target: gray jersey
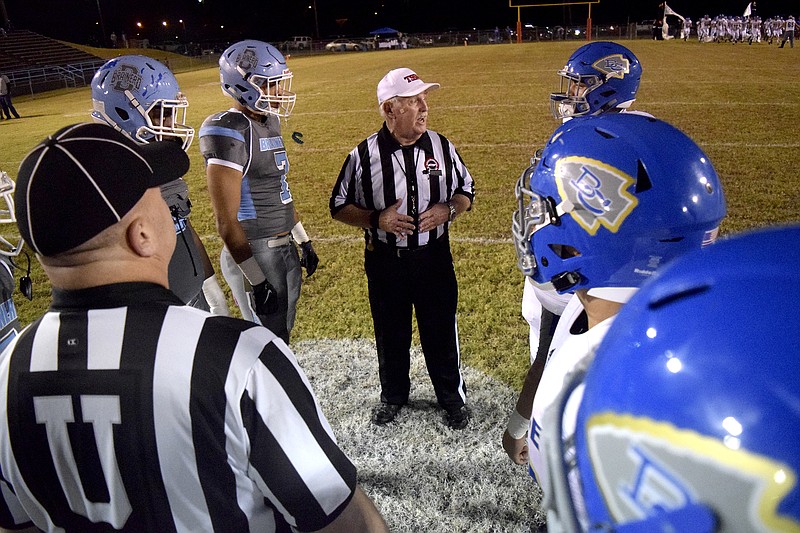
<point>186,273</point>
<point>256,149</point>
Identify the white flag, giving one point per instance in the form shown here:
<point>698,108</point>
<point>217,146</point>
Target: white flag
<point>747,10</point>
<point>669,11</point>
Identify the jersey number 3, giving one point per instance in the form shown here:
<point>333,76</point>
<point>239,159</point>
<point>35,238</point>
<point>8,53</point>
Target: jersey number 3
<point>282,162</point>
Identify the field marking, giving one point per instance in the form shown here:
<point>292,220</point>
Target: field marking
<point>347,149</point>
<point>357,239</point>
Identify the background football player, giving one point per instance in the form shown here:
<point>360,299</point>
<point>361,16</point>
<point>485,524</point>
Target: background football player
<point>9,249</point>
<point>140,97</point>
<point>599,77</point>
<point>246,170</point>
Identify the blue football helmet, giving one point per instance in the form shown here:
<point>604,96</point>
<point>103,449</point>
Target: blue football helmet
<point>254,73</point>
<point>13,247</point>
<point>689,415</point>
<point>612,199</point>
<point>598,77</point>
<point>141,98</point>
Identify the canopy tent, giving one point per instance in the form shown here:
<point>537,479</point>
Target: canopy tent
<point>384,31</point>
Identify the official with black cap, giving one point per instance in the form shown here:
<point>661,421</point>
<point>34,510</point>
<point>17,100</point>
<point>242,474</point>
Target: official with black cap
<point>123,409</point>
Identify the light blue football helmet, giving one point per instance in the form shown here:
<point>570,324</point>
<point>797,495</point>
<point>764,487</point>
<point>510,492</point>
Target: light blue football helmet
<point>13,247</point>
<point>689,416</point>
<point>140,97</point>
<point>612,199</point>
<point>598,77</point>
<point>254,73</point>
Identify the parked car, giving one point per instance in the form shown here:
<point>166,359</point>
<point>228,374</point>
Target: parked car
<point>342,45</point>
<point>298,42</point>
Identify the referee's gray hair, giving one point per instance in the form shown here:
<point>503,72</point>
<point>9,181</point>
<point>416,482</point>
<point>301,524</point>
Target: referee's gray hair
<point>381,110</point>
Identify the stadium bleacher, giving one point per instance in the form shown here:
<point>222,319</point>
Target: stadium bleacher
<point>36,63</point>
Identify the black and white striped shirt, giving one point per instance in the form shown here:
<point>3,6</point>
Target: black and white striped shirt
<point>379,171</point>
<point>121,407</point>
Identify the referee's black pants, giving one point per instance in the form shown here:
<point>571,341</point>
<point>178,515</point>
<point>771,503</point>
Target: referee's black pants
<point>425,280</point>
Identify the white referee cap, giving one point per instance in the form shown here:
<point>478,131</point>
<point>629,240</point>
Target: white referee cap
<point>402,82</point>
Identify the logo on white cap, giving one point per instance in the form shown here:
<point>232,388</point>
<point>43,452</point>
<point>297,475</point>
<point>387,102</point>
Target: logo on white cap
<point>402,82</point>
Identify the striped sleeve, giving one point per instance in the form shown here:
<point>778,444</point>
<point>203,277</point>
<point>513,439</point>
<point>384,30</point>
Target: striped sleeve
<point>344,190</point>
<point>294,458</point>
<point>12,514</point>
<point>463,182</point>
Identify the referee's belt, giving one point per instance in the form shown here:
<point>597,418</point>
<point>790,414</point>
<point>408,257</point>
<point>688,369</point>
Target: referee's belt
<point>404,253</point>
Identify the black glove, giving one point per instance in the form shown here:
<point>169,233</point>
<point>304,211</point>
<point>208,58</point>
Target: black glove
<point>309,260</point>
<point>265,298</point>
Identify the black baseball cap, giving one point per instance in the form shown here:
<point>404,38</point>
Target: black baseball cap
<point>83,179</point>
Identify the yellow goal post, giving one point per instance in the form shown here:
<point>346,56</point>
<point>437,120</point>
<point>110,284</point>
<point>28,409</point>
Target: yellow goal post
<point>547,3</point>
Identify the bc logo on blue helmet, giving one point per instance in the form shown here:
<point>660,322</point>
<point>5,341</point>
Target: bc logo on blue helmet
<point>613,66</point>
<point>597,191</point>
<point>658,466</point>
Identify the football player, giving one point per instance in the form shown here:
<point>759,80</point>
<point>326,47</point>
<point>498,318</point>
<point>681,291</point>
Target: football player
<point>687,28</point>
<point>612,200</point>
<point>140,97</point>
<point>677,429</point>
<point>9,249</point>
<point>246,170</point>
<point>600,77</point>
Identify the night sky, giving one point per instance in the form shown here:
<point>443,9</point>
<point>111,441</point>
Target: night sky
<point>276,20</point>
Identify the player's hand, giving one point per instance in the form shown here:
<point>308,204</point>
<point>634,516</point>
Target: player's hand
<point>309,258</point>
<point>391,221</point>
<point>265,298</point>
<point>517,449</point>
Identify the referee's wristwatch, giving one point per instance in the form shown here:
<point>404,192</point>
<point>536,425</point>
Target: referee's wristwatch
<point>451,206</point>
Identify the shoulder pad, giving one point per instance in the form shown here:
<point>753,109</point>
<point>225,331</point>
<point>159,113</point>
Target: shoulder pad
<point>230,119</point>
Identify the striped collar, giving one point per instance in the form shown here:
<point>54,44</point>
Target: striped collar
<point>387,141</point>
<point>114,295</point>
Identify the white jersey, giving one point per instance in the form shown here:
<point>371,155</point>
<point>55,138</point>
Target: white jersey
<point>534,300</point>
<point>568,349</point>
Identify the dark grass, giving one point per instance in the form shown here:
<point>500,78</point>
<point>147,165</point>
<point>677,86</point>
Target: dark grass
<point>738,102</point>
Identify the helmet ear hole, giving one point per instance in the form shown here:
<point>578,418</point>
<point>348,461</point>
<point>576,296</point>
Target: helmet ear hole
<point>564,251</point>
<point>643,182</point>
<point>123,114</point>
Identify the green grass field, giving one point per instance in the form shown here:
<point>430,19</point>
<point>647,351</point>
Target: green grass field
<point>739,103</point>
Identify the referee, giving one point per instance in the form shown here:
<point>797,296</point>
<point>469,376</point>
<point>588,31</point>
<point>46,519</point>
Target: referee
<point>123,409</point>
<point>405,185</point>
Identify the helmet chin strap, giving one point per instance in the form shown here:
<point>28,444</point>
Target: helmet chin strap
<point>565,281</point>
<point>135,103</point>
<point>25,283</point>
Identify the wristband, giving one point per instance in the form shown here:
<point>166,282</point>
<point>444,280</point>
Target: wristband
<point>517,425</point>
<point>374,219</point>
<point>215,297</point>
<point>299,233</point>
<point>252,271</point>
